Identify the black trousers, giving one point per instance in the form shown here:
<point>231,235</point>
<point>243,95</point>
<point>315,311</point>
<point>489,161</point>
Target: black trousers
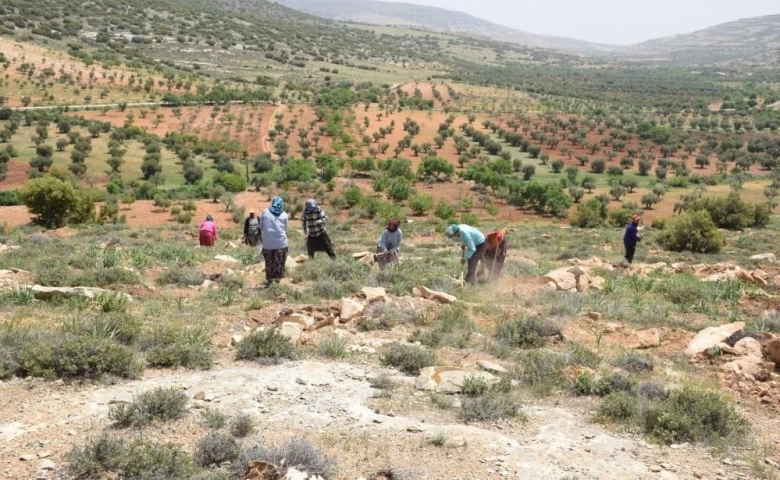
<point>320,243</point>
<point>471,274</point>
<point>630,250</point>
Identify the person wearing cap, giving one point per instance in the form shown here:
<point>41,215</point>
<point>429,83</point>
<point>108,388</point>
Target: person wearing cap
<point>389,244</point>
<point>473,247</point>
<point>208,232</point>
<point>631,237</point>
<point>252,230</point>
<point>317,239</point>
<point>273,230</point>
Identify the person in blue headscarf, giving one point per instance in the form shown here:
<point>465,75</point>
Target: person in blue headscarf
<point>273,228</point>
<point>473,247</point>
<point>317,239</point>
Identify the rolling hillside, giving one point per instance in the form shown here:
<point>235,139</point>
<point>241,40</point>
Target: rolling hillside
<point>750,41</point>
<point>396,13</point>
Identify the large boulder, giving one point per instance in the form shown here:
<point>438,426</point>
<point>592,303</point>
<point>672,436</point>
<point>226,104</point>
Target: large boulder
<point>749,366</point>
<point>375,294</point>
<point>291,330</point>
<point>303,319</point>
<point>448,379</point>
<point>712,336</point>
<point>351,309</point>
<point>562,279</point>
<point>772,350</point>
<point>765,257</point>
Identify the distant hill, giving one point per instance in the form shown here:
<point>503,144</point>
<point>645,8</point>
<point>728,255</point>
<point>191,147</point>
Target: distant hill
<point>397,13</point>
<point>750,41</point>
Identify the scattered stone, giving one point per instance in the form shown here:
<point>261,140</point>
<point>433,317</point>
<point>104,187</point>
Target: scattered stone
<point>291,330</point>
<point>765,257</point>
<point>448,379</point>
<point>749,366</point>
<point>27,457</point>
<point>772,463</point>
<point>375,294</point>
<point>262,471</point>
<point>50,293</point>
<point>649,338</point>
<point>350,310</point>
<point>294,474</point>
<point>441,297</point>
<point>44,454</point>
<point>413,429</point>
<point>236,339</point>
<point>711,336</point>
<point>226,259</point>
<point>47,464</point>
<point>594,316</point>
<point>491,367</point>
<point>288,315</point>
<point>272,388</point>
<point>199,395</point>
<point>301,381</point>
<point>655,468</point>
<point>748,346</point>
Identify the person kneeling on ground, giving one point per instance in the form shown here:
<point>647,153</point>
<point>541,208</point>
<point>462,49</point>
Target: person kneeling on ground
<point>474,247</point>
<point>631,237</point>
<point>389,245</point>
<point>317,239</point>
<point>252,230</point>
<point>273,228</point>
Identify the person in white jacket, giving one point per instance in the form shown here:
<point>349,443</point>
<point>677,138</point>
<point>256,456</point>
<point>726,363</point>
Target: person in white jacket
<point>389,244</point>
<point>273,226</point>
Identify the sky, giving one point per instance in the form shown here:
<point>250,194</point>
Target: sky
<point>619,22</point>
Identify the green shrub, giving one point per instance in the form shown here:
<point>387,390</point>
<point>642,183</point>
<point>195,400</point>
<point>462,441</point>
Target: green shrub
<point>172,347</point>
<point>590,214</point>
<point>103,277</point>
<point>181,276</point>
<point>421,204</point>
<point>620,217</point>
<point>445,211</point>
<point>53,203</point>
<point>634,362</point>
<point>333,347</point>
<point>692,415</point>
<point>613,383</point>
<point>64,355</point>
<point>731,212</point>
<point>691,231</point>
<point>147,460</point>
<point>214,449</point>
<point>526,332</point>
<point>492,405</point>
<point>119,327</point>
<point>103,454</point>
<point>215,419</point>
<point>475,386</point>
<point>158,404</point>
<point>242,425</point>
<point>617,407</point>
<point>452,326</point>
<point>542,370</point>
<point>407,358</point>
<point>266,346</point>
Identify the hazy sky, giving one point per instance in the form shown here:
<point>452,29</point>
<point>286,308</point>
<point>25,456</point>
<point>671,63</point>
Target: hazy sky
<point>621,22</point>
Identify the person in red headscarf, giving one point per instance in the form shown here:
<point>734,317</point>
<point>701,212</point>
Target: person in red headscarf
<point>389,244</point>
<point>631,237</point>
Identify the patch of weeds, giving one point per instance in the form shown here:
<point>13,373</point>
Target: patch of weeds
<point>298,453</point>
<point>158,404</point>
<point>53,274</point>
<point>652,390</point>
<point>383,382</point>
<point>556,303</point>
<point>291,294</point>
<point>267,346</point>
<point>112,302</point>
<point>184,276</point>
<point>333,347</point>
<point>442,402</point>
<point>634,362</point>
<point>579,354</point>
<point>139,459</point>
<point>343,269</point>
<point>215,448</point>
<point>21,295</point>
<point>120,327</point>
<point>329,289</point>
<point>409,359</point>
<point>526,332</point>
<point>242,425</point>
<point>617,407</point>
<point>215,419</point>
<point>64,355</point>
<point>452,326</point>
<point>612,383</point>
<point>393,474</point>
<point>438,439</point>
<point>474,386</point>
<point>106,276</point>
<point>491,405</point>
<point>693,415</point>
<point>386,315</point>
<point>255,304</point>
<point>584,384</point>
<point>542,370</point>
<point>169,346</point>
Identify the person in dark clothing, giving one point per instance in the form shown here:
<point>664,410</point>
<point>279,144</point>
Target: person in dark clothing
<point>631,237</point>
<point>317,239</point>
<point>252,236</point>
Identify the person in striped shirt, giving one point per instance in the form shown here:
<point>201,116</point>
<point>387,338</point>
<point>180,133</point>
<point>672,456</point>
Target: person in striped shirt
<point>317,239</point>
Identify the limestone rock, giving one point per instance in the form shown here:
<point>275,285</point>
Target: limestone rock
<point>375,294</point>
<point>710,336</point>
<point>562,278</point>
<point>441,297</point>
<point>226,259</point>
<point>236,339</point>
<point>291,330</point>
<point>305,320</point>
<point>748,346</point>
<point>262,471</point>
<point>649,338</point>
<point>765,257</point>
<point>350,310</point>
<point>594,316</point>
<point>47,464</point>
<point>448,379</point>
<point>490,366</point>
<point>772,350</point>
<point>597,283</point>
<point>49,293</point>
<point>748,366</point>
